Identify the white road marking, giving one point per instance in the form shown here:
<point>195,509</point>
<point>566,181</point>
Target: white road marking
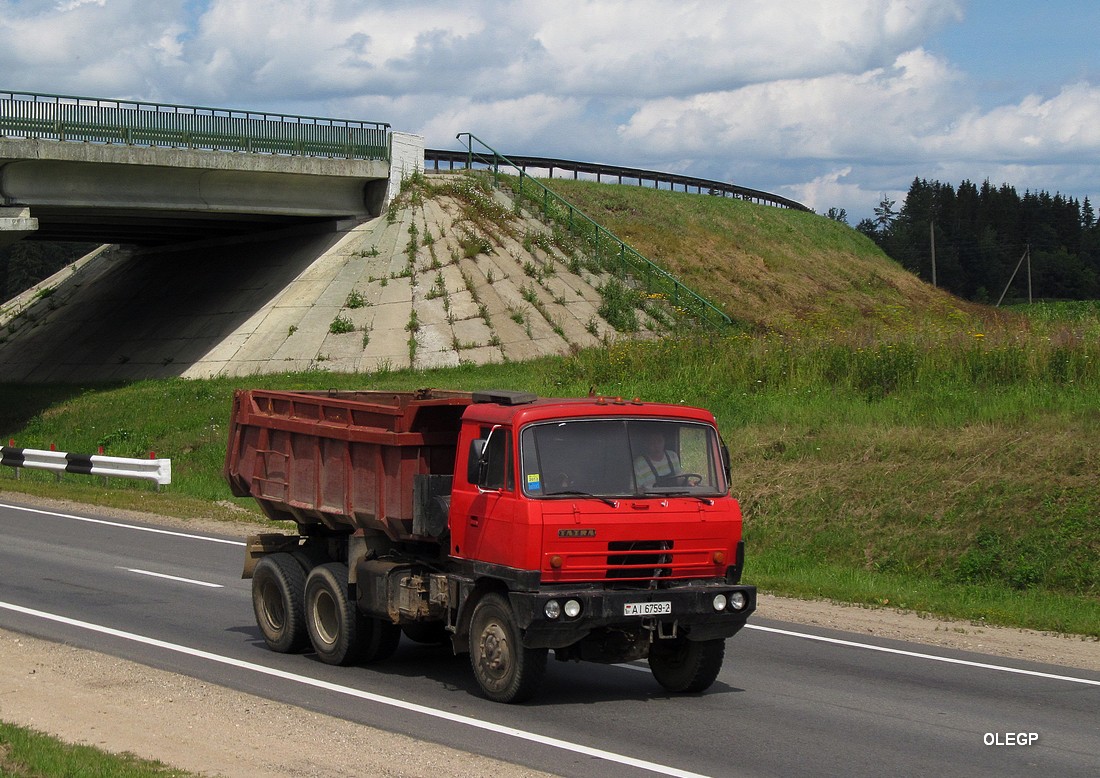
<point>468,721</point>
<point>774,630</point>
<point>917,655</point>
<point>121,525</point>
<point>171,577</point>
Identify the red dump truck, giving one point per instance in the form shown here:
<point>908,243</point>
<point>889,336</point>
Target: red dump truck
<point>503,523</point>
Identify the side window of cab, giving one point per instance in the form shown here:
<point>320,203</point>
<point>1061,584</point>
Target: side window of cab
<point>491,459</point>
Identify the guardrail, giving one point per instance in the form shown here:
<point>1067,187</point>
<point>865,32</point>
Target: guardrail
<point>159,471</point>
<point>603,245</point>
<point>135,123</point>
<point>628,175</point>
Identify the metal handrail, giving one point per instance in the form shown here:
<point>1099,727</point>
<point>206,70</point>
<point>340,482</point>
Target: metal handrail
<point>139,123</point>
<point>606,248</point>
<point>625,174</point>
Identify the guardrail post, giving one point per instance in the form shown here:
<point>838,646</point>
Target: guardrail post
<point>17,469</point>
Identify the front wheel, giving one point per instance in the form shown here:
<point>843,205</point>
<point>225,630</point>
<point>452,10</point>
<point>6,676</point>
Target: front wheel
<point>682,665</point>
<point>506,670</point>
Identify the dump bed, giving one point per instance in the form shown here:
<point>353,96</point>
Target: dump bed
<point>345,460</point>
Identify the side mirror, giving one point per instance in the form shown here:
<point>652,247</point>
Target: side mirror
<point>475,464</point>
<point>726,463</point>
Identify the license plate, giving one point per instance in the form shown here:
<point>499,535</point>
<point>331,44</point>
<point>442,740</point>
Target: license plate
<point>646,608</point>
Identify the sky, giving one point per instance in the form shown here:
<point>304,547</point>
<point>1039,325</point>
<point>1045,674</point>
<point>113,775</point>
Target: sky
<point>833,103</point>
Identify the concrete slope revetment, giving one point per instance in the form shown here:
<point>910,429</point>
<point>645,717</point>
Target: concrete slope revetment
<point>424,285</point>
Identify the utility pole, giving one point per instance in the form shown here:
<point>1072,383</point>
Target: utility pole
<point>932,241</point>
<point>1026,255</point>
<point>1028,250</point>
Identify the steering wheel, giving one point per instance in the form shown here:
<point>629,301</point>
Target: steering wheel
<point>691,479</point>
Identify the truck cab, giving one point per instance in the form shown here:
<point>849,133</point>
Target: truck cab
<point>590,490</point>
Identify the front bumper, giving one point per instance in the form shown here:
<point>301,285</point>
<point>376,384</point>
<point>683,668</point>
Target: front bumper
<point>692,611</point>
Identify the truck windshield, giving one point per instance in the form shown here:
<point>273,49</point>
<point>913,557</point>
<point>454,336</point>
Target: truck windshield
<point>620,458</point>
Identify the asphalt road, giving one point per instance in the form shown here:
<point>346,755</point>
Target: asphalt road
<point>791,700</point>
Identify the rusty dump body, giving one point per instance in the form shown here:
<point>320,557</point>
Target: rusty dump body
<point>344,460</point>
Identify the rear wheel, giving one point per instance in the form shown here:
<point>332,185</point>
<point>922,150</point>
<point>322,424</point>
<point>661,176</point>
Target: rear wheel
<point>681,665</point>
<point>379,639</point>
<point>332,620</point>
<point>277,587</point>
<point>505,669</point>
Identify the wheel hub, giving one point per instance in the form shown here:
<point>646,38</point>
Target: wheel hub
<point>494,654</point>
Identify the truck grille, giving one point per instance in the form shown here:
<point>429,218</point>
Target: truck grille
<point>639,559</point>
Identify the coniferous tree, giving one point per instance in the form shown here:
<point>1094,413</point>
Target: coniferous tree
<point>981,233</point>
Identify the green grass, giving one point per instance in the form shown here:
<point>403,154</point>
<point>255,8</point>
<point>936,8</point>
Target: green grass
<point>25,753</point>
<point>769,268</point>
<point>963,471</point>
<point>888,442</point>
<point>980,604</point>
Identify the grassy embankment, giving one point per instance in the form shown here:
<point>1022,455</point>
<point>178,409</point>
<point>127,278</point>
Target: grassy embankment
<point>25,752</point>
<point>891,445</point>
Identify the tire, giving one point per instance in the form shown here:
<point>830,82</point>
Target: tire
<point>505,669</point>
<point>308,557</point>
<point>379,639</point>
<point>278,584</point>
<point>682,665</point>
<point>332,620</point>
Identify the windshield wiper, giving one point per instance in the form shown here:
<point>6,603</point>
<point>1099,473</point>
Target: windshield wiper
<point>704,500</point>
<point>574,493</point>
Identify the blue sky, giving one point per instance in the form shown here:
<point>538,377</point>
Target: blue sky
<point>1011,48</point>
<point>835,103</point>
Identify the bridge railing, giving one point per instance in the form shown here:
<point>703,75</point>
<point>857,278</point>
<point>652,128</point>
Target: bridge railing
<point>607,250</point>
<point>627,175</point>
<point>96,120</point>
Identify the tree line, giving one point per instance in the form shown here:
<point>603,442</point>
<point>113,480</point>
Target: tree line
<point>981,234</point>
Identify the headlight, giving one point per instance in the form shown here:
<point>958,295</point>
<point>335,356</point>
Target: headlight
<point>719,602</point>
<point>552,609</point>
<point>572,609</point>
<point>737,601</point>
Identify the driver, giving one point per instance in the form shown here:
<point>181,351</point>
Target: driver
<point>657,464</point>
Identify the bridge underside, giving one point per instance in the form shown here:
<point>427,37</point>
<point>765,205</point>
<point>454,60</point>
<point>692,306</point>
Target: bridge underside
<point>144,227</point>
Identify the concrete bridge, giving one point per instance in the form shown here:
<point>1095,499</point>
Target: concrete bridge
<point>238,243</point>
<point>108,171</point>
<point>244,244</point>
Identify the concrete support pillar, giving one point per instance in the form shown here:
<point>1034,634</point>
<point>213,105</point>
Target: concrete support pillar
<point>15,224</point>
<point>406,158</point>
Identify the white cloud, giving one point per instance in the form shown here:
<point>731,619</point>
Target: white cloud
<point>838,116</point>
<point>826,189</point>
<point>525,123</point>
<point>74,4</point>
<point>295,49</point>
<point>655,48</point>
<point>88,47</point>
<point>831,103</point>
<point>1066,125</point>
